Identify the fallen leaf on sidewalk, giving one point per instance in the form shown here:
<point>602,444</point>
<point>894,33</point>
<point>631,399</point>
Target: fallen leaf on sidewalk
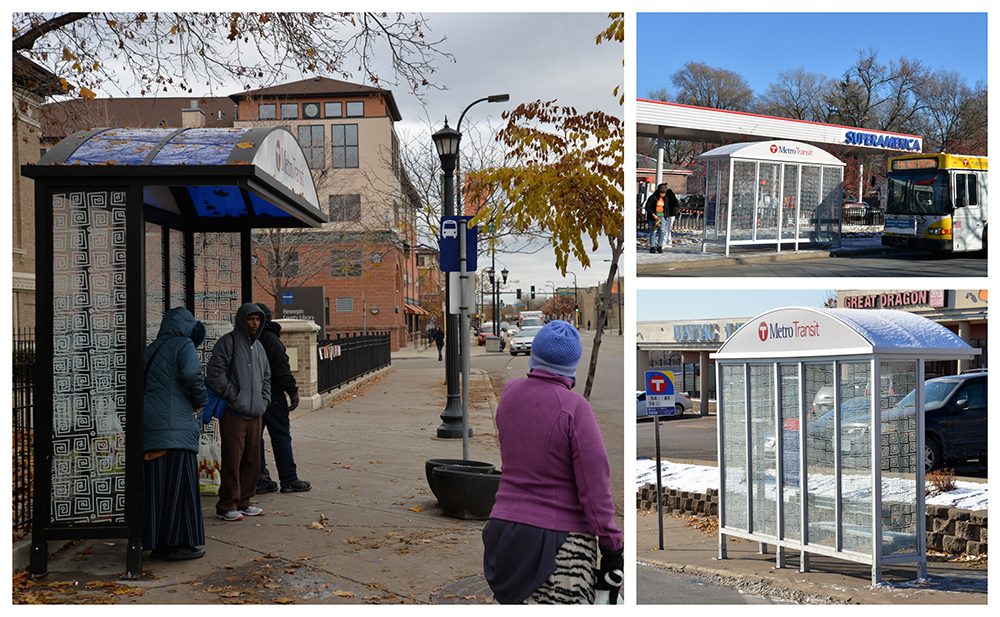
<point>316,525</point>
<point>343,594</point>
<point>415,509</point>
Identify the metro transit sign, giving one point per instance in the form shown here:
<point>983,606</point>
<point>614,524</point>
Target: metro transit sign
<point>660,393</point>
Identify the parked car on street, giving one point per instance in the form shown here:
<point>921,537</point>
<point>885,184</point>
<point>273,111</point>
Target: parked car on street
<point>682,403</point>
<point>955,423</point>
<point>485,330</point>
<point>521,343</point>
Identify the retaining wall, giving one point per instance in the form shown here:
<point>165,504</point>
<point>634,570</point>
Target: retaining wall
<point>949,530</point>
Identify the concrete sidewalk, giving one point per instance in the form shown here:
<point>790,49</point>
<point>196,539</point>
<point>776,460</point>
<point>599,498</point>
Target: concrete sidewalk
<point>692,547</point>
<point>369,531</point>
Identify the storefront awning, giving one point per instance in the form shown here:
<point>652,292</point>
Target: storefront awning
<point>416,310</point>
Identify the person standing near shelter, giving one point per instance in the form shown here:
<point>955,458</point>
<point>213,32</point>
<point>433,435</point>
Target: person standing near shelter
<point>554,513</point>
<point>276,417</point>
<point>173,397</point>
<point>656,212</point>
<point>239,371</point>
<point>438,334</point>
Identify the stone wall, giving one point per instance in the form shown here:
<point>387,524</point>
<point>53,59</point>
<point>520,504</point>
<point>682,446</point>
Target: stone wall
<point>949,530</point>
<point>956,531</point>
<point>300,336</point>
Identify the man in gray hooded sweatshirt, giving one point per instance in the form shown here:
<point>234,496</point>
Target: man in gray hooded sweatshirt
<point>239,371</point>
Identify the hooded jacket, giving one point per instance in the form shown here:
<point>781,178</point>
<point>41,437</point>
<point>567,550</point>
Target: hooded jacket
<point>239,370</point>
<point>671,206</point>
<point>174,385</point>
<point>282,380</point>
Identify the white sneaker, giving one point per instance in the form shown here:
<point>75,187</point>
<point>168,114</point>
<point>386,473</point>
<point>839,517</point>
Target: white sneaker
<point>251,511</point>
<point>232,515</point>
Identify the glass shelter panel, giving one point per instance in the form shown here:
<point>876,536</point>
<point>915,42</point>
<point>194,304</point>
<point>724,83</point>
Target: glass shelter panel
<point>176,268</point>
<point>89,357</point>
<point>820,498</point>
<point>769,191</point>
<point>712,202</point>
<point>218,285</point>
<point>722,216</point>
<point>744,198</point>
<point>734,445</point>
<point>790,201</point>
<point>900,460</point>
<point>763,473</point>
<point>790,431</point>
<point>856,456</point>
<point>832,204</point>
<point>156,304</point>
<point>809,200</point>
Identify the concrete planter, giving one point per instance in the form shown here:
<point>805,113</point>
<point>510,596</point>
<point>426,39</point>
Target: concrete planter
<point>431,464</point>
<point>466,492</point>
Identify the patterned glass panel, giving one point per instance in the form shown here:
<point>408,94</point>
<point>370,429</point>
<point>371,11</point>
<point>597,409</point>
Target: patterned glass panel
<point>820,498</point>
<point>769,194</point>
<point>900,460</point>
<point>830,229</point>
<point>789,201</point>
<point>177,269</point>
<point>722,218</point>
<point>744,199</point>
<point>763,474</point>
<point>734,445</point>
<point>809,200</point>
<point>218,289</point>
<point>712,202</point>
<point>155,302</point>
<point>856,456</point>
<point>89,357</point>
<point>791,484</point>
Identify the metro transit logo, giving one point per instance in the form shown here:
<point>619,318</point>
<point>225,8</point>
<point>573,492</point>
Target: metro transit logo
<point>762,332</point>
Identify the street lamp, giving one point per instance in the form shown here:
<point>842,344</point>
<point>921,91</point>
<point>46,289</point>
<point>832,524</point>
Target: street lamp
<point>576,301</point>
<point>446,142</point>
<point>495,98</point>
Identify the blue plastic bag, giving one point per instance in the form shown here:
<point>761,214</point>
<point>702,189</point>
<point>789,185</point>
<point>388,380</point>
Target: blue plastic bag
<point>216,405</point>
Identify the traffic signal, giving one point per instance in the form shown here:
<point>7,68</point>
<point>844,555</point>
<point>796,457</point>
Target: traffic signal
<point>532,292</point>
<point>518,294</point>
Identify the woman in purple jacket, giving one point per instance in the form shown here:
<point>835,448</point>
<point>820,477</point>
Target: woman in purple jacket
<point>554,511</point>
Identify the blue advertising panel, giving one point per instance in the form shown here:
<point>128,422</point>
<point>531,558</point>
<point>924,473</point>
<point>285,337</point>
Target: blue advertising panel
<point>450,249</point>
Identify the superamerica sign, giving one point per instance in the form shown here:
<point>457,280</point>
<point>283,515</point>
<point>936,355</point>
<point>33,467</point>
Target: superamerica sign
<point>795,329</point>
<point>880,140</point>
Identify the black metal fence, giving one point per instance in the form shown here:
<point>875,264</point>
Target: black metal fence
<point>344,359</point>
<point>24,372</point>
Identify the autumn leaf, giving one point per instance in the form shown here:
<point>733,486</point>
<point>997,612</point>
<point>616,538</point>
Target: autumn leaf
<point>415,509</point>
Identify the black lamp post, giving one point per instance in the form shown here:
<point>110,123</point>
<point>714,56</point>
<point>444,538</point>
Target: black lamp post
<point>446,141</point>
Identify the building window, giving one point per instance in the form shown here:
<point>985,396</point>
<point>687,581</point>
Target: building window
<point>356,109</point>
<point>345,305</point>
<point>311,140</point>
<point>267,111</point>
<point>289,111</point>
<point>345,263</point>
<point>345,145</point>
<point>333,110</point>
<point>345,208</point>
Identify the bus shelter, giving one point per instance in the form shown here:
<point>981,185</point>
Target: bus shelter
<point>812,457</point>
<point>130,223</point>
<point>771,192</point>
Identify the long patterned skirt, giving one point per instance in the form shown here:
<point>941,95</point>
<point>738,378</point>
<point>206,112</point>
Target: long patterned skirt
<point>171,501</point>
<point>573,579</point>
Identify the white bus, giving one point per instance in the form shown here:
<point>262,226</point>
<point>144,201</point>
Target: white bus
<point>936,202</point>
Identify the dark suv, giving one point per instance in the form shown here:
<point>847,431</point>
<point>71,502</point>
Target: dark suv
<point>954,422</point>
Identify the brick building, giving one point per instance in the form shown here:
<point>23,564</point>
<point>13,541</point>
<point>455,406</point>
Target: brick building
<point>364,258</point>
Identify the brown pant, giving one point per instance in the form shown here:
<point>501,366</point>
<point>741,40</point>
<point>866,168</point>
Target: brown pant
<point>240,461</point>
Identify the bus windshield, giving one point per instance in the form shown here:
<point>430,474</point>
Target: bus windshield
<point>918,192</point>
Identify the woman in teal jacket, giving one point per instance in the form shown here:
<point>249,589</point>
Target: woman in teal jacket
<point>171,427</point>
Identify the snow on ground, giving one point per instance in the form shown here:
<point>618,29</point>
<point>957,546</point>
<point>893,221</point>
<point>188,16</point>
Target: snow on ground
<point>698,478</point>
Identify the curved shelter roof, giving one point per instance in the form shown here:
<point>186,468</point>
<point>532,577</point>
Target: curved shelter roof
<point>255,176</point>
<point>775,151</point>
<point>816,332</point>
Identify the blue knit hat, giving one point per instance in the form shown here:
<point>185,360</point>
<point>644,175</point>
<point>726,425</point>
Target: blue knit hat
<point>557,349</point>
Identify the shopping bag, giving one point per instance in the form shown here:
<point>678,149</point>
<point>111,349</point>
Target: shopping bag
<point>210,462</point>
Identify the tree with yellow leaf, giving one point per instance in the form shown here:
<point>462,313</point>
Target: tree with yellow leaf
<point>564,173</point>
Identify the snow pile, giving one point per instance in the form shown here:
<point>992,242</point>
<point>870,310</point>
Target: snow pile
<point>699,478</point>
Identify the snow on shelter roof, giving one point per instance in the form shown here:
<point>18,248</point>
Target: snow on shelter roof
<point>775,151</point>
<point>814,332</point>
<point>259,174</point>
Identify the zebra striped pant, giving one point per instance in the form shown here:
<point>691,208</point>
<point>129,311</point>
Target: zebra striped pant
<point>572,582</point>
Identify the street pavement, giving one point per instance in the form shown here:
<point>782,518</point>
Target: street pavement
<point>369,531</point>
<point>686,254</point>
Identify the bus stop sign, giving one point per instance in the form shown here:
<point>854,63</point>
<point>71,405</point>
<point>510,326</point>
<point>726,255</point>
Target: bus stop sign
<point>660,393</point>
